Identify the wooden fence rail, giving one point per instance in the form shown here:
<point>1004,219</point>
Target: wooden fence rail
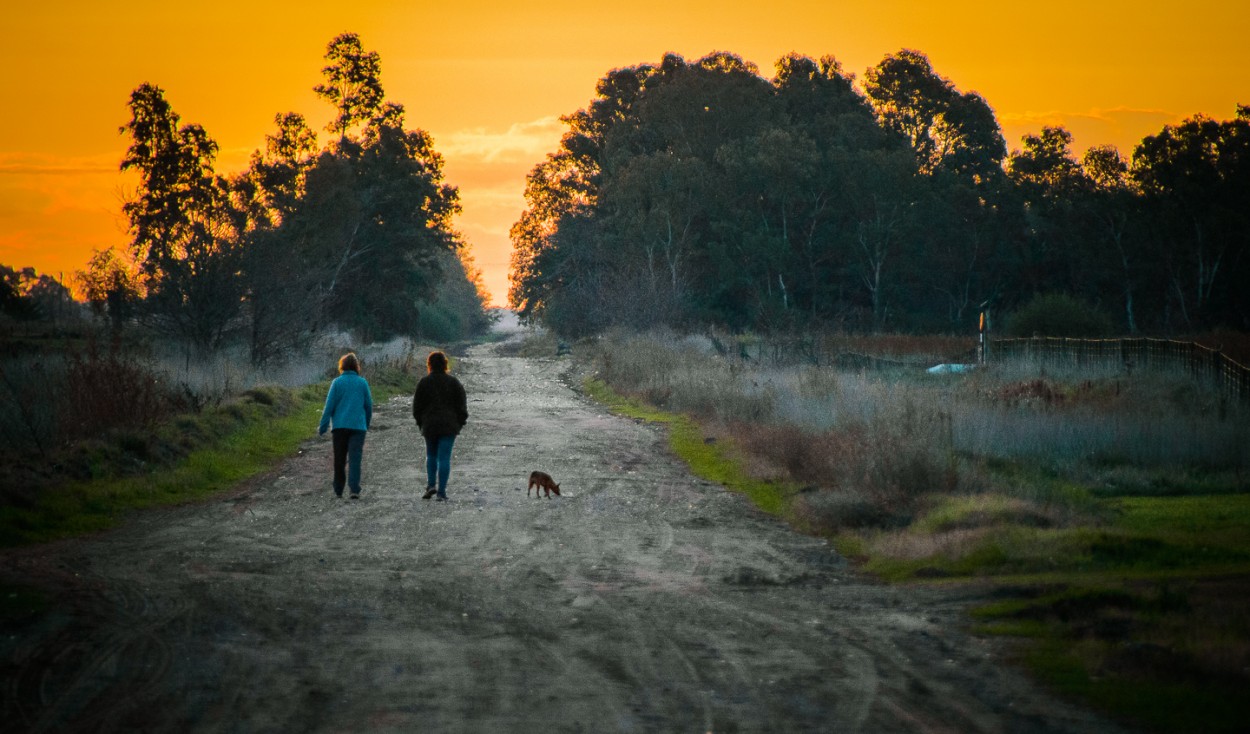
<point>1132,354</point>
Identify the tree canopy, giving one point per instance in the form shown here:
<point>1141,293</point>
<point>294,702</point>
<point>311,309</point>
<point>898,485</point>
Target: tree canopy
<point>356,233</point>
<point>697,193</point>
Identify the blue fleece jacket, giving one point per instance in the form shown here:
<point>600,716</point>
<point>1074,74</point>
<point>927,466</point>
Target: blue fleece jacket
<point>349,403</point>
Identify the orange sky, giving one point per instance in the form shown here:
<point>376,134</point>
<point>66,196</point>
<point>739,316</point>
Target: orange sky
<point>489,80</point>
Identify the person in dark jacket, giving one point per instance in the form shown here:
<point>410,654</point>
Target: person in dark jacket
<point>349,407</point>
<point>441,410</point>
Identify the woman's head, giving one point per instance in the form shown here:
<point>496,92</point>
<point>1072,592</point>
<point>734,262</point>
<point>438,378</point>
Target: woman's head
<point>436,362</point>
<point>349,362</point>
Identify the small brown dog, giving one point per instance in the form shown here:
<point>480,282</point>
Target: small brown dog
<point>544,482</point>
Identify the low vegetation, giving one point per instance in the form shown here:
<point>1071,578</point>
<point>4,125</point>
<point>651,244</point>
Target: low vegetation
<point>102,432</point>
<point>1107,513</point>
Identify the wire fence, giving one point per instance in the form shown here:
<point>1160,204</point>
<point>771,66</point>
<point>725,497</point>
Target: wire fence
<point>1132,354</point>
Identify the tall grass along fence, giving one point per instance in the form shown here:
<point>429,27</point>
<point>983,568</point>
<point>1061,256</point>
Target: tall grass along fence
<point>1128,355</point>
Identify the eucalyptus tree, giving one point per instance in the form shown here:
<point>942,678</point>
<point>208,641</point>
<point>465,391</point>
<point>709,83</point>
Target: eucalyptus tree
<point>959,151</point>
<point>13,301</point>
<point>353,83</point>
<point>1115,212</point>
<point>1052,186</point>
<point>946,129</point>
<point>667,196</point>
<point>183,233</point>
<point>279,169</point>
<point>556,190</point>
<point>279,276</point>
<point>111,287</point>
<point>566,185</point>
<point>1195,178</point>
<point>653,208</point>
<point>374,215</point>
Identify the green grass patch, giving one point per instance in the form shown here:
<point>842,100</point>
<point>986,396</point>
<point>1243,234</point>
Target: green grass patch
<point>1131,687</point>
<point>188,457</point>
<point>953,512</point>
<point>226,445</point>
<point>1166,655</point>
<point>1217,519</point>
<point>713,459</point>
<point>998,535</point>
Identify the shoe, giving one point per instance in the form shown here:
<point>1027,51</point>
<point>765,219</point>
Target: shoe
<point>430,492</point>
<point>441,498</point>
<point>355,495</point>
<point>338,493</point>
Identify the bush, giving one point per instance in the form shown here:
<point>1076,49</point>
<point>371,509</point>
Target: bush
<point>829,512</point>
<point>439,324</point>
<point>111,390</point>
<point>1058,314</point>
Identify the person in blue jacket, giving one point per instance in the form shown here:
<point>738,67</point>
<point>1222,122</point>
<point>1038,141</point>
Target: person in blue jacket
<point>349,407</point>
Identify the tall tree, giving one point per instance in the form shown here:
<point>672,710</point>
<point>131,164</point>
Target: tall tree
<point>181,226</point>
<point>1196,180</point>
<point>353,83</point>
<point>374,216</point>
<point>111,287</point>
<point>279,170</point>
<point>1114,211</point>
<point>13,299</point>
<point>280,278</point>
<point>946,129</point>
<point>1051,184</point>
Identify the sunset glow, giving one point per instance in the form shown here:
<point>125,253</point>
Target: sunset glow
<point>490,81</point>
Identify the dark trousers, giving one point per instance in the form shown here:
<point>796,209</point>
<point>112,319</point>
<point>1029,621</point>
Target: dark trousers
<point>349,446</point>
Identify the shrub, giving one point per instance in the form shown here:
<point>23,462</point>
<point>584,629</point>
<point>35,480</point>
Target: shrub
<point>32,394</point>
<point>1058,314</point>
<point>827,512</point>
<point>110,390</point>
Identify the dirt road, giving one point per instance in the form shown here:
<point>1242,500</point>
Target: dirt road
<point>643,600</point>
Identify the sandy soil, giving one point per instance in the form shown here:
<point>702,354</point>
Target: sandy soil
<point>642,600</point>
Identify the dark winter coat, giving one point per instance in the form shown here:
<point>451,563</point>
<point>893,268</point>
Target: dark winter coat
<point>440,405</point>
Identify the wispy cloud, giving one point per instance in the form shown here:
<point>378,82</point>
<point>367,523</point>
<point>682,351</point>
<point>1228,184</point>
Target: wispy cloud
<point>521,142</point>
<point>1123,127</point>
<point>36,164</point>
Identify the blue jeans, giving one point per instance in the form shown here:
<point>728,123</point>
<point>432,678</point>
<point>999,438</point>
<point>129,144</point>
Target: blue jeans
<point>438,461</point>
<point>349,446</point>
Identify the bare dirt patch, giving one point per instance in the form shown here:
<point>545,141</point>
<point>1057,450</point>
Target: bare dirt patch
<point>644,599</point>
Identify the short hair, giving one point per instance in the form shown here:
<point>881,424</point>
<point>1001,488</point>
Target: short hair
<point>436,362</point>
<point>349,362</point>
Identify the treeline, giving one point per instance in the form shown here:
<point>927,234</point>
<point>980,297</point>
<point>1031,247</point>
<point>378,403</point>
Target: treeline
<point>701,193</point>
<point>354,233</point>
<point>26,295</point>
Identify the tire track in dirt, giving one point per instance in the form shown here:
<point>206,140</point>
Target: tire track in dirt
<point>644,599</point>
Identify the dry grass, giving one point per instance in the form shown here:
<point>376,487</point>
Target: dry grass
<point>870,444</point>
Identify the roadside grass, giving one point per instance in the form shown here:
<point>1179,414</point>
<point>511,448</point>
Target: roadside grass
<point>1109,515</point>
<point>187,457</point>
<point>1141,609</point>
<point>1142,698</point>
<point>711,458</point>
<point>221,447</point>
